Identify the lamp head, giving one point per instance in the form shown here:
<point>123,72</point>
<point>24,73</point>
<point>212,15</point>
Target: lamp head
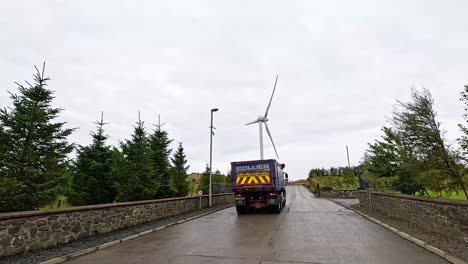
<point>214,110</point>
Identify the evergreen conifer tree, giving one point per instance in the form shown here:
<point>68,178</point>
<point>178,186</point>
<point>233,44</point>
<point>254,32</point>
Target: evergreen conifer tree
<point>33,148</point>
<point>217,181</point>
<point>179,171</point>
<point>160,154</point>
<point>385,157</point>
<point>119,168</point>
<point>93,175</point>
<point>137,181</point>
<point>205,180</point>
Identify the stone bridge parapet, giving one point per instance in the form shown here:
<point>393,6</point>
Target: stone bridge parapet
<point>30,230</point>
<point>443,216</point>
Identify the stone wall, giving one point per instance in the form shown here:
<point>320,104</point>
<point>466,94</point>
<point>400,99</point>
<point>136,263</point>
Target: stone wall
<point>30,230</point>
<point>447,217</point>
<point>338,194</point>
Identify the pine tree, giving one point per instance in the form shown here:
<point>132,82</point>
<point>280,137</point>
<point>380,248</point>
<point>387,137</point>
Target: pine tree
<point>160,153</point>
<point>217,181</point>
<point>119,168</point>
<point>93,178</point>
<point>179,171</point>
<point>3,148</point>
<point>205,180</point>
<point>137,181</point>
<point>33,148</point>
<point>384,157</point>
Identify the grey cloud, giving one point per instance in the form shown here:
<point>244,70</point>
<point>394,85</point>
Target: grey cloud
<point>341,67</point>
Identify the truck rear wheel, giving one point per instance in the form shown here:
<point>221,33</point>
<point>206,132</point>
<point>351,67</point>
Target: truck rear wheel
<point>241,209</point>
<point>277,208</point>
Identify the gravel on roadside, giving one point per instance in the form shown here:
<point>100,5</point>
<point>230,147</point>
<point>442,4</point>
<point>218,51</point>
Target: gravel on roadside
<point>87,242</point>
<point>454,247</point>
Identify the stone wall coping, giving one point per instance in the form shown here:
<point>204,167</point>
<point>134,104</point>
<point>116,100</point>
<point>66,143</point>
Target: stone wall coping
<point>93,207</point>
<point>340,191</point>
<point>422,198</point>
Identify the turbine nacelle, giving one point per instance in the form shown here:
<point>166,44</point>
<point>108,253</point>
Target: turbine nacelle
<point>258,120</point>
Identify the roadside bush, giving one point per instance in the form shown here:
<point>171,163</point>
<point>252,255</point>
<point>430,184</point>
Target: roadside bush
<point>381,183</point>
<point>334,182</point>
<point>312,184</point>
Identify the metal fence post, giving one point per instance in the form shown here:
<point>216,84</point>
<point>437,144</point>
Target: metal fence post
<point>200,194</point>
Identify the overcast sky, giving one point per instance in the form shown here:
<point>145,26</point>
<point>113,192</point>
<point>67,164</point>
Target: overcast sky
<point>341,65</point>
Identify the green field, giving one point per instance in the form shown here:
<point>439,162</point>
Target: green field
<point>334,182</point>
<point>453,195</point>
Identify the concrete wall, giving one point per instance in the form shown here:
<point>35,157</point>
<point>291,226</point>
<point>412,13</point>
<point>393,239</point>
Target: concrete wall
<point>338,194</point>
<point>447,217</point>
<point>24,231</point>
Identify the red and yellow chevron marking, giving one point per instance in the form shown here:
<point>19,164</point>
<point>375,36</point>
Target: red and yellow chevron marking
<point>253,178</point>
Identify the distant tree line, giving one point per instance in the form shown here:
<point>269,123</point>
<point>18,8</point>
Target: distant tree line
<point>413,153</point>
<point>336,171</point>
<point>336,178</point>
<point>35,168</point>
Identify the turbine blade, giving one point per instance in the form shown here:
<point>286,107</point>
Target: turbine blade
<point>253,122</point>
<point>273,93</point>
<point>271,138</point>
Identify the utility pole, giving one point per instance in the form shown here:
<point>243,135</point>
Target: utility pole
<point>211,154</point>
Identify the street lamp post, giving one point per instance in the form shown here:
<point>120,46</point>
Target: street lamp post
<point>211,153</point>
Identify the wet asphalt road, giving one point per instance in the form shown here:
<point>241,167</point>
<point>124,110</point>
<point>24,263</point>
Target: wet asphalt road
<point>309,230</point>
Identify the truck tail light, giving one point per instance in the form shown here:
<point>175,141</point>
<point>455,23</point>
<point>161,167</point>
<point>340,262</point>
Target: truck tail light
<point>239,197</point>
<point>273,194</point>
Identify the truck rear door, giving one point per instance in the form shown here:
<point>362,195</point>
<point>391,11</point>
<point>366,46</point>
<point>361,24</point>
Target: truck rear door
<point>253,174</point>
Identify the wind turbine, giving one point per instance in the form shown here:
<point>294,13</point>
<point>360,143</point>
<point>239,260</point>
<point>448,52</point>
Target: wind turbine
<point>264,120</point>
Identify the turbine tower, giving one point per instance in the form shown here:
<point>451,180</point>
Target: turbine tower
<point>264,120</point>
